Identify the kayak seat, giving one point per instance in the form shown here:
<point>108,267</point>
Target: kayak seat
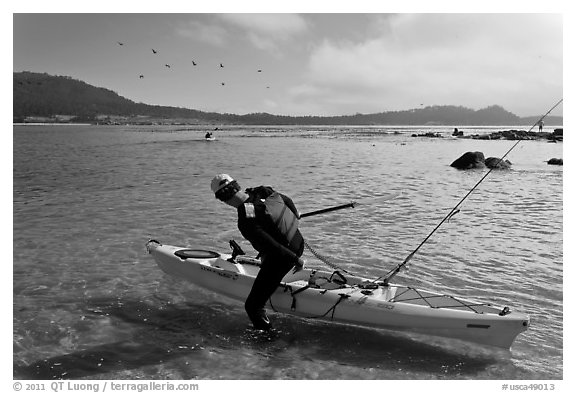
<point>324,281</point>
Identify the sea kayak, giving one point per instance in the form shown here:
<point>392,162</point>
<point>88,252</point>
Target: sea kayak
<point>342,298</point>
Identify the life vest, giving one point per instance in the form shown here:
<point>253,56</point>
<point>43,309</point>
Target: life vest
<point>280,214</point>
<point>284,219</point>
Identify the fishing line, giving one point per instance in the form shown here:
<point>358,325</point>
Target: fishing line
<point>455,210</point>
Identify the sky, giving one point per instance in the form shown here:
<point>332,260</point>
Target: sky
<point>322,63</point>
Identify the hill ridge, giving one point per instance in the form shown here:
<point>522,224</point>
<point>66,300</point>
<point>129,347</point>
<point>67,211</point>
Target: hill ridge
<point>40,96</point>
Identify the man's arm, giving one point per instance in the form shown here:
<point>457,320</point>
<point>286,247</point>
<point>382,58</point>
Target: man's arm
<point>264,243</point>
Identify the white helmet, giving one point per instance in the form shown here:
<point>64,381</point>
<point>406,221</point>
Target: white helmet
<point>220,181</point>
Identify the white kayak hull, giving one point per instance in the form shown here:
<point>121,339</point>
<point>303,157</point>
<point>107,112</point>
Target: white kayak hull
<point>390,306</point>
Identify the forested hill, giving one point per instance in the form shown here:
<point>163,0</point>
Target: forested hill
<point>43,97</point>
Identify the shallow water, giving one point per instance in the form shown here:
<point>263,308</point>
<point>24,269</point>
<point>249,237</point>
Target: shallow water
<point>90,303</point>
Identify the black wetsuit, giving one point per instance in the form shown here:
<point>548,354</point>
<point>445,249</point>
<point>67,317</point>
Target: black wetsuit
<point>278,253</point>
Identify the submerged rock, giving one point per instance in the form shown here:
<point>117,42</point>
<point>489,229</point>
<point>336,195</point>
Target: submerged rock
<point>557,135</point>
<point>496,163</point>
<point>428,135</point>
<point>469,160</point>
<point>515,135</point>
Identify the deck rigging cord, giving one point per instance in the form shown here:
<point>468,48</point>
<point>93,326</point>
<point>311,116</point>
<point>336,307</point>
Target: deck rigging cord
<point>324,259</point>
<point>365,201</point>
<point>388,276</point>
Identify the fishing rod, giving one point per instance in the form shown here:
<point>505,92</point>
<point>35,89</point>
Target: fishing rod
<point>351,204</point>
<point>329,209</point>
<point>455,209</point>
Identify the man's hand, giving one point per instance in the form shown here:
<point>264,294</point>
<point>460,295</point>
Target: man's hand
<point>299,265</point>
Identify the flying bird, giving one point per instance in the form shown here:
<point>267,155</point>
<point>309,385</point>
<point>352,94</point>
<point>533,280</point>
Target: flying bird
<point>120,43</point>
<point>153,51</point>
<point>259,70</point>
<point>167,65</point>
<point>221,66</point>
<point>141,76</point>
<point>194,63</point>
<point>223,83</point>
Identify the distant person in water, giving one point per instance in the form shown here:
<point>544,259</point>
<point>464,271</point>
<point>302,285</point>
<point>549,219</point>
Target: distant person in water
<point>457,133</point>
<point>269,221</point>
<point>208,135</point>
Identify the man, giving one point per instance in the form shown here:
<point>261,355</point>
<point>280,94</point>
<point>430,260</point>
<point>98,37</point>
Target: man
<point>269,221</point>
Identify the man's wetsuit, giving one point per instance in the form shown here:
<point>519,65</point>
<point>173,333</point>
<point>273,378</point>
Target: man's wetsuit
<point>272,231</point>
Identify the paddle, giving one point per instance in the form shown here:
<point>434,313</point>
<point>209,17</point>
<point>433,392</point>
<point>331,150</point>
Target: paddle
<point>365,201</point>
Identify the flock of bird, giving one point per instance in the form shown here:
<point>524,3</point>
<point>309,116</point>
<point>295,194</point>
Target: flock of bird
<point>154,51</point>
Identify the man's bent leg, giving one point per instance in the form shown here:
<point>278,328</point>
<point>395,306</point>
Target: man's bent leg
<point>266,282</point>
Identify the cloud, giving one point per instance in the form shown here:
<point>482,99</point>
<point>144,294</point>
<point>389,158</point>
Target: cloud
<point>471,60</point>
<point>279,26</point>
<point>204,32</point>
<point>266,31</point>
<point>263,31</point>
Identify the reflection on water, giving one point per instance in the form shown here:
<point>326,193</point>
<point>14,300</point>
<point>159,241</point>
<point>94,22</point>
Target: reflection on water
<point>194,339</point>
<point>90,303</point>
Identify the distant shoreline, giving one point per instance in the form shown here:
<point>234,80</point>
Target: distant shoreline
<point>230,126</point>
<point>550,133</point>
<point>52,124</point>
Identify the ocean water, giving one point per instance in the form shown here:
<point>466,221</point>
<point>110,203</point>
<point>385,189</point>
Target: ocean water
<point>90,303</point>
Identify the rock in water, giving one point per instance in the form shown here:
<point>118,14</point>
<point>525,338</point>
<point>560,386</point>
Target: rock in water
<point>469,160</point>
<point>496,163</point>
<point>556,161</point>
